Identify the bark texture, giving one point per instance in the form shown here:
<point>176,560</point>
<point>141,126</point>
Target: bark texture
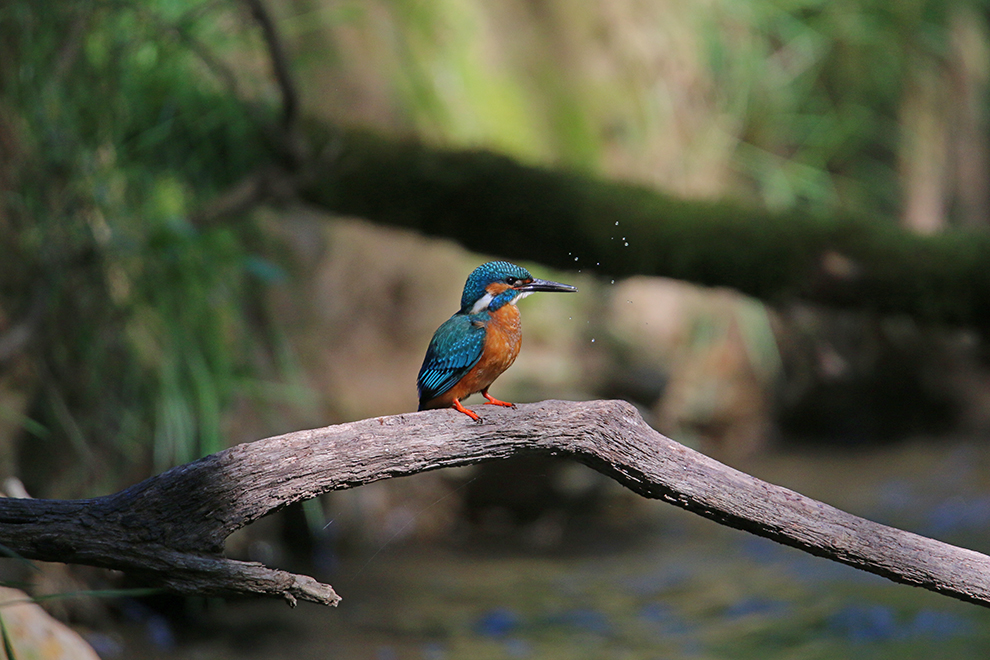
<point>170,529</point>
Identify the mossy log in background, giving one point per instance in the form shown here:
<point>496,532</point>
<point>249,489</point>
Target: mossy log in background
<point>495,205</point>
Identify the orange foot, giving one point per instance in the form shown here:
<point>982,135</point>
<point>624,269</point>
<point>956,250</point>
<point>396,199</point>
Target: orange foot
<point>459,408</point>
<point>495,402</point>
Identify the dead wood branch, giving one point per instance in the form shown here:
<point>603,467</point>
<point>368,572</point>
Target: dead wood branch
<point>170,529</point>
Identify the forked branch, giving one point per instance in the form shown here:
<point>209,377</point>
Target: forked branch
<point>170,529</point>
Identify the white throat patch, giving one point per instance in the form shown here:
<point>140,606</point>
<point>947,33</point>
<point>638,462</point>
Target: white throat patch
<point>486,300</point>
<point>520,296</point>
<point>482,303</point>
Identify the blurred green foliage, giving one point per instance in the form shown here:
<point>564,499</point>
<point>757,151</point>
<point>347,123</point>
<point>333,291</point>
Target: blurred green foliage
<point>121,129</point>
<point>458,89</point>
<point>801,100</point>
<point>817,87</point>
<point>118,120</point>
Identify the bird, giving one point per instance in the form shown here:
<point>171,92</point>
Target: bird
<point>481,340</point>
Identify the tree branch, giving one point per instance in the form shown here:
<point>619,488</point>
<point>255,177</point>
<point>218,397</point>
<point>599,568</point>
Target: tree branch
<point>170,529</point>
<point>572,220</point>
<point>280,63</point>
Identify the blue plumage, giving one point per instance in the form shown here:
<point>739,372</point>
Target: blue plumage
<point>455,348</point>
<point>485,274</point>
<point>479,342</point>
<point>459,342</point>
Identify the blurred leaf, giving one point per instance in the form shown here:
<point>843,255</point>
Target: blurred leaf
<point>8,647</point>
<point>125,131</point>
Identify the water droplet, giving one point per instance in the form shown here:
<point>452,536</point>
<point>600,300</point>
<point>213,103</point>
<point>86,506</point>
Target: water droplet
<point>613,281</point>
<point>616,223</point>
<point>627,244</point>
<point>592,340</point>
<point>576,258</point>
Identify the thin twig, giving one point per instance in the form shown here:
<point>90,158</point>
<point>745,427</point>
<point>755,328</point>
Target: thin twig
<point>280,63</point>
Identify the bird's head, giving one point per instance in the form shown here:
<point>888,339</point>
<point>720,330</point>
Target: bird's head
<point>498,283</point>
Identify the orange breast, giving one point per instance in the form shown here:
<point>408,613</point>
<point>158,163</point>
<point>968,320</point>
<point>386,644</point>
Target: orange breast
<point>503,336</point>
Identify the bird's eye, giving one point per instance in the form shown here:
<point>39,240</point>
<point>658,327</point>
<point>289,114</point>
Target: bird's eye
<point>510,280</point>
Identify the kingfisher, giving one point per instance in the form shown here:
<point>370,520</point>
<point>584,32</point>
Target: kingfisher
<point>475,345</point>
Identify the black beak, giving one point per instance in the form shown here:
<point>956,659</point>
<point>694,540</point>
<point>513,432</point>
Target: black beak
<point>546,285</point>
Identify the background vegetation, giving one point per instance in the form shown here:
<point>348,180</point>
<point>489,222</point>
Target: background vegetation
<point>152,312</point>
<point>121,121</point>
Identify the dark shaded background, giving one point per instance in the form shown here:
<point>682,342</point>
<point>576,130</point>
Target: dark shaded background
<point>166,292</point>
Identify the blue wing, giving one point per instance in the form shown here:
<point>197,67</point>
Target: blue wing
<point>455,348</point>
